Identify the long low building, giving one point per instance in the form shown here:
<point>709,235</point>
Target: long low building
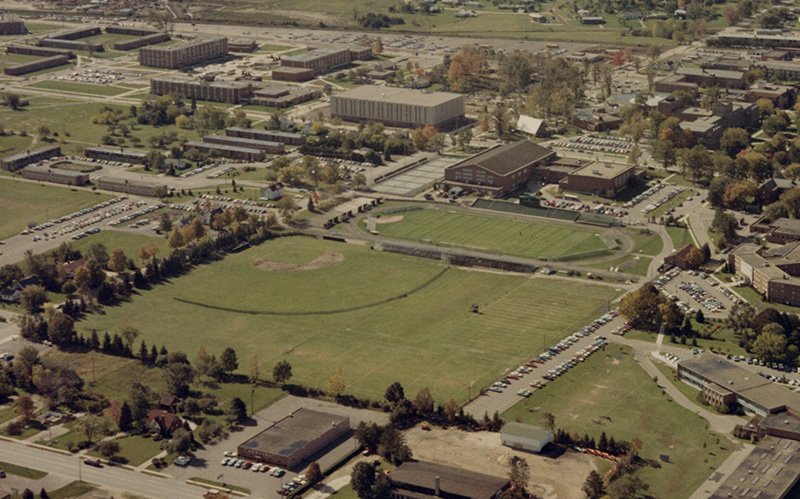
<point>183,55</point>
<point>38,51</point>
<point>55,175</point>
<point>225,151</point>
<point>12,26</point>
<point>17,161</point>
<point>138,187</point>
<point>421,480</point>
<point>600,178</point>
<point>770,471</point>
<point>284,96</point>
<point>37,65</point>
<point>130,30</point>
<point>320,61</point>
<point>112,154</point>
<point>232,92</point>
<point>294,139</point>
<point>75,34</point>
<point>287,73</point>
<point>267,146</point>
<point>402,107</point>
<point>141,41</point>
<point>72,44</point>
<point>295,438</point>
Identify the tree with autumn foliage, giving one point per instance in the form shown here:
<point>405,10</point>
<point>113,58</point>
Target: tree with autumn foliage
<point>465,67</point>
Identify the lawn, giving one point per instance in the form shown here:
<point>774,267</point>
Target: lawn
<point>136,449</point>
<point>13,469</point>
<point>630,264</point>
<point>531,239</point>
<point>72,489</point>
<point>13,144</point>
<point>81,88</point>
<point>680,236</point>
<point>7,60</point>
<point>25,202</point>
<point>646,242</point>
<point>611,393</point>
<point>722,339</point>
<point>268,48</point>
<point>129,242</point>
<point>672,203</point>
<point>379,317</point>
<point>757,301</point>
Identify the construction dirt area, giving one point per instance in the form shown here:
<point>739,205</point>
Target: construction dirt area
<point>482,452</point>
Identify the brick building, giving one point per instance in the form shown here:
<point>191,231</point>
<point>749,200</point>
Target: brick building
<point>266,146</point>
<point>37,65</point>
<point>12,25</point>
<point>284,96</point>
<point>116,154</point>
<point>287,73</point>
<point>225,151</point>
<point>232,92</point>
<point>49,174</point>
<point>321,61</point>
<point>183,55</point>
<point>773,273</point>
<point>142,41</point>
<point>72,44</point>
<point>17,161</point>
<point>600,178</point>
<point>138,187</point>
<point>39,51</point>
<point>290,138</point>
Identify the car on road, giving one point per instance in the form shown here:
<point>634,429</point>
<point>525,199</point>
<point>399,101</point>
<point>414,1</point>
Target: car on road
<point>2,474</point>
<point>93,462</point>
<point>182,461</point>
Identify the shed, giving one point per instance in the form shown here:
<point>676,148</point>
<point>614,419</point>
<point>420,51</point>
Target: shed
<point>525,437</point>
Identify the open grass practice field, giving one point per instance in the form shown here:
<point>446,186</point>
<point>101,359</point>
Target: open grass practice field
<point>81,88</point>
<point>610,392</point>
<point>127,241</point>
<point>24,202</point>
<point>379,317</point>
<point>532,239</point>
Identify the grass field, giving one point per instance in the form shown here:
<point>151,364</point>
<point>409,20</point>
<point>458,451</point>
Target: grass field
<point>22,471</point>
<point>136,449</point>
<point>757,301</point>
<point>400,340</point>
<point>13,144</point>
<point>81,88</point>
<point>24,202</point>
<point>7,60</point>
<point>680,236</point>
<point>72,489</point>
<point>611,385</point>
<point>629,264</point>
<point>129,242</point>
<point>502,235</point>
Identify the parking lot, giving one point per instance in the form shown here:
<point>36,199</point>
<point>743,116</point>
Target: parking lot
<point>696,291</point>
<point>596,143</point>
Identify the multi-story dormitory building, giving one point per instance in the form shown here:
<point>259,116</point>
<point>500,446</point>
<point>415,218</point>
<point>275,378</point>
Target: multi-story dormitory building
<point>325,60</point>
<point>232,92</point>
<point>12,25</point>
<point>72,44</point>
<point>180,56</point>
<point>37,65</point>
<point>116,154</point>
<point>267,146</point>
<point>49,174</point>
<point>294,139</point>
<point>19,160</point>
<point>142,41</point>
<point>75,34</point>
<point>40,51</point>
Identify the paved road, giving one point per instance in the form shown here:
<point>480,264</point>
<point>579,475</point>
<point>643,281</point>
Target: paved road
<point>113,479</point>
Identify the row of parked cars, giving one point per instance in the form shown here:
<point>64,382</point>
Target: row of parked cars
<point>599,144</point>
<point>222,172</point>
<point>657,204</point>
<point>72,216</point>
<point>579,357</point>
<point>701,296</point>
<point>198,170</point>
<point>257,207</point>
<point>136,214</point>
<point>644,196</point>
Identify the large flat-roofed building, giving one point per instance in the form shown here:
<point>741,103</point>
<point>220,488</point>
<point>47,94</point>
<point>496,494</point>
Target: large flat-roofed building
<point>295,438</point>
<point>770,471</point>
<point>284,96</point>
<point>267,146</point>
<point>499,170</point>
<point>116,154</point>
<point>40,51</point>
<point>242,45</point>
<point>600,178</point>
<point>421,480</point>
<point>232,92</point>
<point>733,37</point>
<point>783,70</point>
<point>75,34</point>
<point>286,73</point>
<point>141,41</point>
<point>183,55</point>
<point>400,107</point>
<point>130,30</point>
<point>50,174</point>
<point>773,273</point>
<point>320,61</point>
<point>12,25</point>
<point>225,151</point>
<point>37,65</point>
<point>138,187</point>
<point>724,383</point>
<point>17,161</point>
<point>294,139</point>
<point>525,437</point>
<point>58,43</point>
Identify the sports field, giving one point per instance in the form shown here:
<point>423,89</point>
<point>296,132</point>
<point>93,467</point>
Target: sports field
<point>532,239</point>
<point>610,392</point>
<point>128,241</point>
<point>379,317</point>
<point>24,202</point>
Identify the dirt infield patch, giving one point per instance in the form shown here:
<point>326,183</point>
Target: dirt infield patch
<point>390,219</point>
<point>327,259</point>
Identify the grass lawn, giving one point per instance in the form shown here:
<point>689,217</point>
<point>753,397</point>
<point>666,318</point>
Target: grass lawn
<point>13,469</point>
<point>680,236</point>
<point>268,48</point>
<point>72,489</point>
<point>345,492</point>
<point>136,449</point>
<point>757,301</point>
<point>7,60</point>
<point>672,203</point>
<point>689,392</point>
<point>646,242</point>
<point>532,239</point>
<point>13,144</point>
<point>7,414</point>
<point>722,340</point>
<point>611,393</point>
<point>129,242</point>
<point>38,28</point>
<point>24,202</point>
<point>375,345</point>
<point>220,485</point>
<point>629,263</point>
<point>81,88</point>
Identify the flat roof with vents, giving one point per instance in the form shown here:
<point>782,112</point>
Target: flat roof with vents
<point>756,477</point>
<point>602,169</point>
<point>293,433</point>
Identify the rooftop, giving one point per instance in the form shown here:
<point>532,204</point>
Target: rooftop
<point>114,150</point>
<point>180,46</point>
<point>451,480</point>
<point>396,95</point>
<point>47,169</point>
<point>312,55</point>
<point>292,433</point>
<point>221,147</point>
<point>508,158</point>
<point>787,225</point>
<point>770,471</point>
<point>526,431</point>
<point>603,170</point>
<point>23,155</point>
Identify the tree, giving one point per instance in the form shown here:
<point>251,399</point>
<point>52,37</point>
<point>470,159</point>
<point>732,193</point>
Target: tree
<point>287,206</point>
<point>282,372</point>
<point>180,443</point>
<point>27,494</point>
<point>108,449</point>
<point>202,363</point>
<point>664,152</point>
<point>314,473</point>
<point>139,399</point>
<point>178,376</point>
<point>12,101</point>
<point>362,479</point>
<point>24,407</point>
<point>336,383</point>
<point>520,473</point>
<point>549,421</point>
<point>640,308</point>
<point>393,446</point>
<point>770,346</point>
<point>395,393</point>
<point>626,487</point>
<point>423,402</point>
<point>125,422</point>
<point>60,329</point>
<point>734,140</point>
<point>697,163</point>
<point>465,68</point>
<point>118,261</point>
<point>32,298</point>
<point>725,225</point>
<point>91,425</point>
<point>165,222</point>
<point>228,360</point>
<point>43,494</point>
<point>790,200</point>
<point>593,486</point>
<point>237,411</point>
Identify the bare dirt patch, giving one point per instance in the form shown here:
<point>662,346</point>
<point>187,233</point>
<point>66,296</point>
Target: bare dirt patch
<point>390,219</point>
<point>327,259</point>
<point>482,452</point>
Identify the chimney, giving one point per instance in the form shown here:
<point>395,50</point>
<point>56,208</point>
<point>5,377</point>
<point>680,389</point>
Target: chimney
<point>436,487</point>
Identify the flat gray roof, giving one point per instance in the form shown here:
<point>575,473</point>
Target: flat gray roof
<point>124,181</point>
<point>508,158</point>
<point>221,147</point>
<point>245,141</point>
<point>603,170</point>
<point>23,155</point>
<point>769,472</point>
<point>111,150</point>
<point>49,169</point>
<point>294,432</point>
<point>396,95</point>
<point>179,46</point>
<point>451,480</point>
<point>526,431</point>
<point>315,54</point>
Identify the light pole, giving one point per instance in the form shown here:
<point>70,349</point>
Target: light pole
<point>80,477</point>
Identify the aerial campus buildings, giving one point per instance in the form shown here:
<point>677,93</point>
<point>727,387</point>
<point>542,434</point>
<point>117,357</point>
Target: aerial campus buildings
<point>55,175</point>
<point>400,107</point>
<point>232,92</point>
<point>183,55</point>
<point>12,25</point>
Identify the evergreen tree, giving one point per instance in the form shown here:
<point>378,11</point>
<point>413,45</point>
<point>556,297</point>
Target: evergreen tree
<point>106,343</point>
<point>94,341</point>
<point>144,356</point>
<point>125,417</point>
